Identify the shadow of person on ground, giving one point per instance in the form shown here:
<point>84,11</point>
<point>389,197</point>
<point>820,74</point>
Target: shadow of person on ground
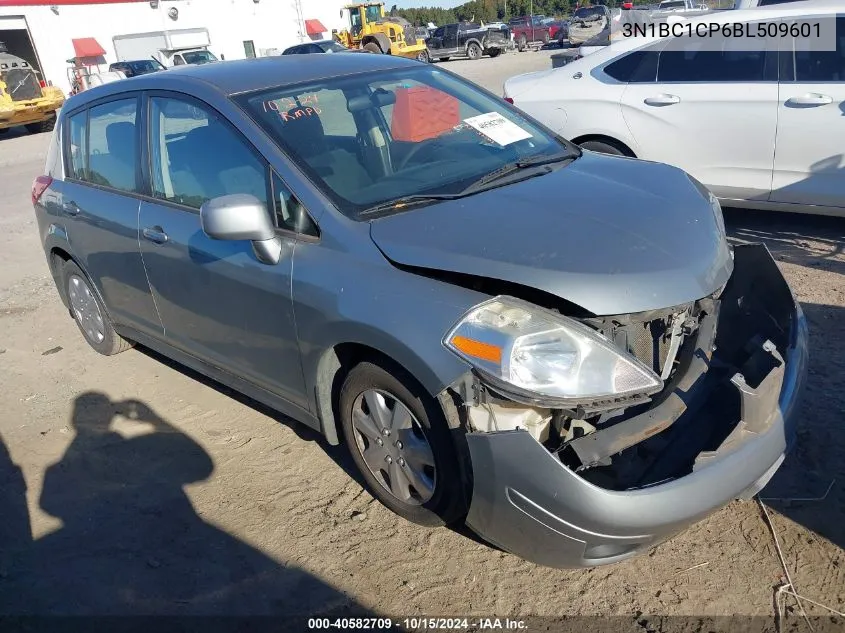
<point>131,543</point>
<point>15,531</point>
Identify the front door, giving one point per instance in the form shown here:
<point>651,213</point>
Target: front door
<point>217,301</point>
<point>712,112</point>
<point>810,153</point>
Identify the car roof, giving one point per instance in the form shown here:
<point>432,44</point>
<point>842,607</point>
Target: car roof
<point>245,75</point>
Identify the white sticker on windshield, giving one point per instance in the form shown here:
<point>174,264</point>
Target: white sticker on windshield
<point>497,128</point>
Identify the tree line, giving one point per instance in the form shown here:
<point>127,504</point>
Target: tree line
<point>488,11</point>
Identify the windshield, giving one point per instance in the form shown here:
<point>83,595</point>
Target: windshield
<point>586,12</point>
<point>332,47</point>
<point>373,13</point>
<point>371,138</point>
<point>145,66</point>
<point>199,57</point>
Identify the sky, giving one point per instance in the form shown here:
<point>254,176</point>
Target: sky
<point>409,4</point>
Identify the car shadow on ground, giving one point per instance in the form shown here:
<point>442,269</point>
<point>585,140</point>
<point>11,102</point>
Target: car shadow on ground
<point>130,541</point>
<point>339,454</point>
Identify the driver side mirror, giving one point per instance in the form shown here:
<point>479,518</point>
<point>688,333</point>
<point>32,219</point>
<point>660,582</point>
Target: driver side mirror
<point>241,216</point>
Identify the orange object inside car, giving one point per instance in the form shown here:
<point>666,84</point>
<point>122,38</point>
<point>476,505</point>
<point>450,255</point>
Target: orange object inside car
<point>422,113</point>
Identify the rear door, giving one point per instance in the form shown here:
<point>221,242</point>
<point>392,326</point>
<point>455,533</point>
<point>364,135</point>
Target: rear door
<point>217,302</point>
<point>100,202</point>
<point>712,112</point>
<point>810,153</point>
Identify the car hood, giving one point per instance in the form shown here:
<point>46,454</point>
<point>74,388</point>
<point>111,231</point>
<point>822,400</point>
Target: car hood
<point>612,235</point>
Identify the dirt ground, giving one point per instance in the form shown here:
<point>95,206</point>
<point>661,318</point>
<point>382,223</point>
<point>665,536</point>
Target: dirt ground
<point>150,490</point>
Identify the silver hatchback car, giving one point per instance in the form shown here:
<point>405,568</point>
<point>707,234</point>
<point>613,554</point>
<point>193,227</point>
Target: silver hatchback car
<point>374,247</point>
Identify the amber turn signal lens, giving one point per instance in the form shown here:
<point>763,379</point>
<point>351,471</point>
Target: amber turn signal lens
<point>484,351</point>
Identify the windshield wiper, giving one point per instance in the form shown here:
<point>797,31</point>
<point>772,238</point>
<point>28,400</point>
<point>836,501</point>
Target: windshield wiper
<point>512,168</point>
<point>409,201</point>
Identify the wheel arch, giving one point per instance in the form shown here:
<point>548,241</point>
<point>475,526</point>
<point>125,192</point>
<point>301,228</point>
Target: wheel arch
<point>379,39</point>
<point>603,138</point>
<point>335,363</point>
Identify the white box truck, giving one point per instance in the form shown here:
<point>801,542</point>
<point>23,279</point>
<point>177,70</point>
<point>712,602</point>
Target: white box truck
<point>171,48</point>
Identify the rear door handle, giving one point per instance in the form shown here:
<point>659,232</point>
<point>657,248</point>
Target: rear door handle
<point>662,100</point>
<point>71,208</point>
<point>810,99</point>
<point>155,234</point>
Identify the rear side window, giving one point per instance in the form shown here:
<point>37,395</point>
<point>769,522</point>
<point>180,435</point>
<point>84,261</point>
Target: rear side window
<point>195,156</point>
<point>113,145</point>
<point>823,66</point>
<point>637,67</point>
<point>692,60</point>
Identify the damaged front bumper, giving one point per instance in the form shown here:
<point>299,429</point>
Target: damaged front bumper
<point>720,431</point>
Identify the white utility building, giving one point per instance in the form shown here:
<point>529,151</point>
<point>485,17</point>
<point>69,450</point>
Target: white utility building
<point>48,33</point>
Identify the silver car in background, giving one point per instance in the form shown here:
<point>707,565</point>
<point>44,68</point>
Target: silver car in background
<point>365,243</point>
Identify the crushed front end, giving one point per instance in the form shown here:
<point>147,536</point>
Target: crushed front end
<point>598,483</point>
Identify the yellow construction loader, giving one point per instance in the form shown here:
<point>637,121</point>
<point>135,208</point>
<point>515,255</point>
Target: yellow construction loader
<point>24,99</point>
<point>370,29</point>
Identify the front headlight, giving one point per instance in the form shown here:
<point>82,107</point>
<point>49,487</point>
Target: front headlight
<point>544,353</point>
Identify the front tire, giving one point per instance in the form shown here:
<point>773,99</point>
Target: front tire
<point>401,442</point>
<point>89,313</point>
<point>424,57</point>
<point>522,44</point>
<point>372,48</point>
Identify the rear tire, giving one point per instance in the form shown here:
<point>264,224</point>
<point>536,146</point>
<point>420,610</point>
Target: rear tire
<point>41,126</point>
<point>424,438</point>
<point>605,147</point>
<point>372,48</point>
<point>546,38</point>
<point>89,313</point>
<point>474,51</point>
<point>424,57</point>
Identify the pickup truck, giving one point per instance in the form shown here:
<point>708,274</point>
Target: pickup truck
<point>588,22</point>
<point>528,30</point>
<point>466,38</point>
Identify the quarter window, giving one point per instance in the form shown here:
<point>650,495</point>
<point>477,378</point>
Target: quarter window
<point>290,214</point>
<point>637,67</point>
<point>113,145</point>
<point>78,145</point>
<point>195,156</point>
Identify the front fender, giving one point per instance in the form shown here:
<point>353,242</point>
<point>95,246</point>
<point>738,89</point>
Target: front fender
<point>342,298</point>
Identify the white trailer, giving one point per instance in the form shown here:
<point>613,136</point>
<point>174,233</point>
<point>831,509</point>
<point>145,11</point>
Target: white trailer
<point>171,48</point>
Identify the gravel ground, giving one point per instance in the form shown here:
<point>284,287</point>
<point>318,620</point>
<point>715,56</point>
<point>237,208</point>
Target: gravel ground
<point>147,489</point>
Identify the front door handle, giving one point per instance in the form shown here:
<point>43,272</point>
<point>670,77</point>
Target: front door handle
<point>70,208</point>
<point>155,234</point>
<point>662,100</point>
<point>810,99</point>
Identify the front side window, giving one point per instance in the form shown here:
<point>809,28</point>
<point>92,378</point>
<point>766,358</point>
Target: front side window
<point>369,138</point>
<point>113,145</point>
<point>691,59</point>
<point>195,156</point>
<point>823,66</point>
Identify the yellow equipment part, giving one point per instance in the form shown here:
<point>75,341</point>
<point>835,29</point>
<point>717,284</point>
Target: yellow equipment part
<point>31,111</point>
<point>371,30</point>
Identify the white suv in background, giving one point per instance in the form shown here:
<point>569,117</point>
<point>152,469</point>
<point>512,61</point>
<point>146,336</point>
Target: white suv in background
<point>762,129</point>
